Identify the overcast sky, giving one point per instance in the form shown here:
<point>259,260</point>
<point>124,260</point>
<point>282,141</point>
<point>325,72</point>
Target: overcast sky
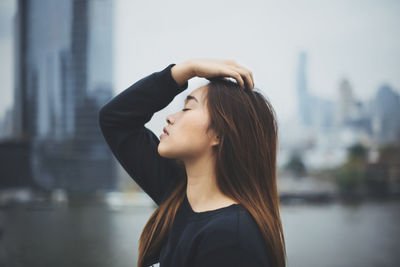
<point>358,39</point>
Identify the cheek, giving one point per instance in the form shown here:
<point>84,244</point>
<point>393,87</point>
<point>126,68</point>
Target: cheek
<point>194,124</point>
<point>198,122</point>
<point>192,130</point>
<point>188,138</point>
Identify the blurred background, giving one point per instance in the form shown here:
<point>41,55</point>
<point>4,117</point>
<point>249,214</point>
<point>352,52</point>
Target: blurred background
<point>331,69</point>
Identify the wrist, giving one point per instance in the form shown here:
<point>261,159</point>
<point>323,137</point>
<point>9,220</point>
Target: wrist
<point>190,70</point>
<point>182,72</point>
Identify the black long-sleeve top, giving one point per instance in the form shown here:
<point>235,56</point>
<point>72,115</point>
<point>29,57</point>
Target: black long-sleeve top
<point>227,236</point>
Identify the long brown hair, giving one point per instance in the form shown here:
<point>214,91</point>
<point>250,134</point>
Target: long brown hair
<point>245,167</point>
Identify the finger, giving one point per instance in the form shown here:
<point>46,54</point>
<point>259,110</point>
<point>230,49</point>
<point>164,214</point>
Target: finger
<point>249,80</point>
<point>236,75</point>
<point>249,76</point>
<point>252,78</point>
<point>246,74</point>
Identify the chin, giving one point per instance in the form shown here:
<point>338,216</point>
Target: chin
<point>162,151</point>
<point>165,152</point>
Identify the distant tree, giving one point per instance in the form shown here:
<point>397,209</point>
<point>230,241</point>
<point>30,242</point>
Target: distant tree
<point>296,165</point>
<point>378,176</point>
<point>376,179</point>
<point>357,152</point>
<point>349,177</point>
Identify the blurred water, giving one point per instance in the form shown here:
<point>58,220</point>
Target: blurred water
<point>336,235</point>
<point>366,234</point>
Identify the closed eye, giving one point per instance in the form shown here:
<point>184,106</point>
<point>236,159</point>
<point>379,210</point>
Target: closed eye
<point>185,109</point>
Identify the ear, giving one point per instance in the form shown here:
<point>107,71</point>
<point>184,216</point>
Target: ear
<point>216,140</point>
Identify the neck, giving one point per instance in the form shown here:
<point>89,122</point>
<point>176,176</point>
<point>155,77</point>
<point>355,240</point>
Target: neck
<point>202,191</point>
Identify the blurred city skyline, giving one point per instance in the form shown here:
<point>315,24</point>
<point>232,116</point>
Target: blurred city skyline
<point>330,69</point>
<point>356,40</point>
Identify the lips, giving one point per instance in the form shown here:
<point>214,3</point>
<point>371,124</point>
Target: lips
<point>165,130</point>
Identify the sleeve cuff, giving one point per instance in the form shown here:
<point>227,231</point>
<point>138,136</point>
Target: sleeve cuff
<point>167,79</point>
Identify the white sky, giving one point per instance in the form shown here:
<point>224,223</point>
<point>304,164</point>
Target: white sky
<point>358,39</point>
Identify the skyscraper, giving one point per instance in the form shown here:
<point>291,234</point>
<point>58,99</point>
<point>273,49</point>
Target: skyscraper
<point>346,102</point>
<point>302,91</point>
<point>314,112</point>
<point>63,59</point>
<point>385,110</point>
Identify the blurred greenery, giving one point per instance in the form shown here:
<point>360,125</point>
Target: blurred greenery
<point>295,165</point>
<point>349,177</point>
<point>358,173</point>
<point>358,153</point>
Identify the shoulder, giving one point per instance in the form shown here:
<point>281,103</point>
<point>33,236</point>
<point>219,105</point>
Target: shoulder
<point>233,227</point>
<point>233,232</point>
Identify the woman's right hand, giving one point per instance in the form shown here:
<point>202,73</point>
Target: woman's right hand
<point>210,68</point>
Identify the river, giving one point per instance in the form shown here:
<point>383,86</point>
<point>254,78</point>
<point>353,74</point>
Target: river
<point>325,235</point>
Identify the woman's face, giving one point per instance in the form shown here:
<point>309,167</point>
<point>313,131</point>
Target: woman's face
<point>187,137</point>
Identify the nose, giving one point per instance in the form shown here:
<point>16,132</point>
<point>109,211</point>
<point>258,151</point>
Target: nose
<point>168,119</point>
<point>171,118</point>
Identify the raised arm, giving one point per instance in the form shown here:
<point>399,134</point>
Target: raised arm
<point>122,119</point>
<point>122,122</point>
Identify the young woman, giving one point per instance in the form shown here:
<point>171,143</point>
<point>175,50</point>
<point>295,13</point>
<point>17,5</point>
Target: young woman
<point>213,171</point>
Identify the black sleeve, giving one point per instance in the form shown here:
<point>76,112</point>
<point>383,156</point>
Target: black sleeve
<point>122,120</point>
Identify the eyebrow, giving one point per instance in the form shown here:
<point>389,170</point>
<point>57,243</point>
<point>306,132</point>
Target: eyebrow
<point>190,97</point>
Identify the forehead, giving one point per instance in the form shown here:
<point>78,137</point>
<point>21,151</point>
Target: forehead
<point>196,96</point>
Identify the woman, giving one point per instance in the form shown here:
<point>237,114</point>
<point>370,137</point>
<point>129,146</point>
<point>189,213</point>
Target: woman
<point>213,171</point>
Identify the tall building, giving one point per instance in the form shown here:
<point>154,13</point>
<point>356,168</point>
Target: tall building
<point>314,112</point>
<point>346,102</point>
<point>6,125</point>
<point>385,110</point>
<point>63,77</point>
<point>302,91</point>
